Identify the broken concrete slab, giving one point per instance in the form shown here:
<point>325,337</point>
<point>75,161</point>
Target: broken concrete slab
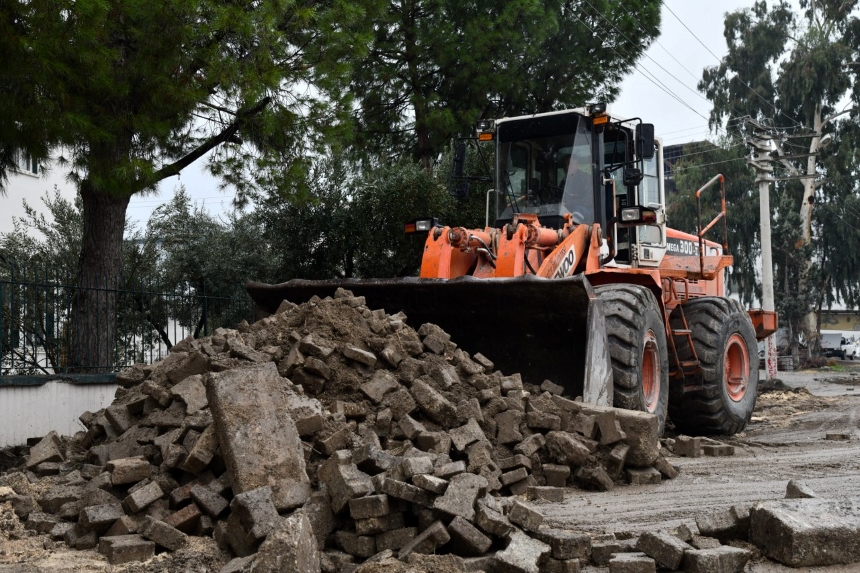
<point>798,490</point>
<point>523,554</point>
<point>724,559</point>
<point>459,499</point>
<point>666,549</point>
<point>258,437</point>
<point>121,549</point>
<point>291,546</point>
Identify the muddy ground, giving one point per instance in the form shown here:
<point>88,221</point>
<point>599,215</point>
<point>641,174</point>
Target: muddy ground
<point>785,440</point>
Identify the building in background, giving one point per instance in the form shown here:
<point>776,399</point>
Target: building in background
<point>30,182</point>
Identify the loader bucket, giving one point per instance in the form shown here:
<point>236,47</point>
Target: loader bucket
<point>545,329</point>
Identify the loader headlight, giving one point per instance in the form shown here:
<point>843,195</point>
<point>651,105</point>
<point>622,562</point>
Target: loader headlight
<point>637,215</point>
<point>420,225</point>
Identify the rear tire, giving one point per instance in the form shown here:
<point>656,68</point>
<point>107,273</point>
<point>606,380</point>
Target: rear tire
<point>725,341</point>
<point>637,345</point>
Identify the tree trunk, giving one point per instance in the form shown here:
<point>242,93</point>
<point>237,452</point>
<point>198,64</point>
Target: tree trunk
<point>94,309</point>
<point>810,320</point>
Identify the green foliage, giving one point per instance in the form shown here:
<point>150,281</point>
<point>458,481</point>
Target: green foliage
<point>434,68</point>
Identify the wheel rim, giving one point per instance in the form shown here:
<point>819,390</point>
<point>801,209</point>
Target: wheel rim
<point>651,372</point>
<point>737,368</point>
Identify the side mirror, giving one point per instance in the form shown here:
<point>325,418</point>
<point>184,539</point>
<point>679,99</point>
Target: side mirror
<point>645,140</point>
<point>632,176</point>
<point>459,160</point>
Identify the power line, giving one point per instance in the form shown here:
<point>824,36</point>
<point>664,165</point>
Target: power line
<point>676,169</point>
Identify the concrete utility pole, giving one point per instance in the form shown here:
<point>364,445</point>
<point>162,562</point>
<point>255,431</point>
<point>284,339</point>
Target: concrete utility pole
<point>761,162</point>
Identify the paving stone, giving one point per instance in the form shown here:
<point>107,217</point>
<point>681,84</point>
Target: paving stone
<point>344,482</point>
<point>371,459</point>
<point>543,420</point>
<point>411,427</point>
<point>688,447</point>
<point>380,384</point>
<point>434,442</point>
<point>336,440</point>
<point>666,549</point>
<point>434,405</point>
<point>400,402</point>
<point>718,450</point>
<point>585,425</point>
<point>450,469</point>
<point>530,445</point>
<point>192,392</point>
<point>640,429</point>
<point>77,537</point>
<point>508,427</point>
<point>359,355</point>
<point>615,461</point>
<point>99,518</point>
<point>201,454</point>
<point>186,519</point>
<point>459,499</point>
<point>256,511</point>
<point>408,492</point>
<point>631,563</point>
<point>808,532</point>
<point>40,522</point>
<point>381,524</point>
<point>395,539</point>
<point>119,417</point>
<point>724,524</point>
<point>514,476</point>
<point>126,548</point>
<point>359,546</point>
<point>798,490</point>
<point>47,450</point>
<point>522,515</point>
<point>238,565</point>
<point>59,531</point>
<point>236,536</point>
<point>723,559</point>
<point>663,466</point>
<point>444,375</point>
<point>596,478</point>
<point>416,465</point>
<point>703,542</point>
<point>556,475</point>
<point>143,497</point>
<point>602,551</point>
<point>208,501</point>
<point>426,541</point>
<point>467,434</point>
<point>523,554</point>
<point>566,448</point>
<point>636,476</point>
<point>492,521</point>
<point>837,436</point>
<point>369,506</point>
<point>430,483</point>
<point>291,546</point>
<point>163,534</point>
<point>514,462</point>
<point>129,470</point>
<point>565,544</point>
<point>545,493</point>
<point>466,539</point>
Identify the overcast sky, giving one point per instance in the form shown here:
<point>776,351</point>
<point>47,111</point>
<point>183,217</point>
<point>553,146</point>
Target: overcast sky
<point>668,73</point>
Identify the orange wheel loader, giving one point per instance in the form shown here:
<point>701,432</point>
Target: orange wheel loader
<point>579,280</point>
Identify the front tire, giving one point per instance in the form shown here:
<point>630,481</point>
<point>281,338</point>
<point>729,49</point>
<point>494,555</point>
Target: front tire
<point>725,341</point>
<point>637,345</point>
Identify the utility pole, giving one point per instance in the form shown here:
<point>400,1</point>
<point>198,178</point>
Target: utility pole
<point>761,162</point>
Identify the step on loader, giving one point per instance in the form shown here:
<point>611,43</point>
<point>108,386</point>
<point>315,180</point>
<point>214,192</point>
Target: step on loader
<point>579,280</point>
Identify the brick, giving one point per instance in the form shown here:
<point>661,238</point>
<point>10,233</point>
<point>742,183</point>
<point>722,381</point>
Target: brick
<point>688,447</point>
<point>381,524</point>
<point>77,537</point>
<point>416,465</point>
<point>556,475</point>
<point>508,427</point>
<point>718,450</point>
<point>459,499</point>
<point>723,559</point>
<point>565,545</point>
<point>434,405</point>
<point>208,501</point>
<point>522,515</point>
<point>530,445</point>
<point>543,420</point>
<point>523,554</point>
<point>142,498</point>
<point>407,492</point>
<point>255,511</point>
<point>427,541</point>
<point>359,546</point>
<point>369,506</point>
<point>631,563</point>
<point>430,483</point>
<point>291,546</point>
<point>596,478</point>
<point>163,534</point>
<point>192,392</point>
<point>643,476</point>
<point>449,470</point>
<point>400,402</point>
<point>466,539</point>
<point>516,461</point>
<point>411,427</point>
<point>359,355</point>
<point>666,549</point>
<point>545,493</point>
<point>798,490</point>
<point>99,518</point>
<point>185,519</point>
<point>667,470</point>
<point>126,548</point>
<point>201,454</point>
<point>40,522</point>
<point>129,470</point>
<point>467,434</point>
<point>395,539</point>
<point>492,521</point>
<point>434,442</point>
<point>47,450</point>
<point>514,476</point>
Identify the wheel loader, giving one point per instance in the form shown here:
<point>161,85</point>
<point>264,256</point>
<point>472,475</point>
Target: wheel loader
<point>579,280</point>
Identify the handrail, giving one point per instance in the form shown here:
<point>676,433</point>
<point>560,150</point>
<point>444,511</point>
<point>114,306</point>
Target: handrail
<point>721,215</point>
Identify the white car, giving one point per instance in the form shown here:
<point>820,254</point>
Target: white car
<point>849,348</point>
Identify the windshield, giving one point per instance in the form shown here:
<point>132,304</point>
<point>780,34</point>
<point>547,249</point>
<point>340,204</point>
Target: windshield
<point>546,167</point>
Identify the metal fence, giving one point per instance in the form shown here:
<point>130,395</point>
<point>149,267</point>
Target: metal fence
<point>42,331</point>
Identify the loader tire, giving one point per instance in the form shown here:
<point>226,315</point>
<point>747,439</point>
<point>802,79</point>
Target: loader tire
<point>637,346</point>
<point>725,345</point>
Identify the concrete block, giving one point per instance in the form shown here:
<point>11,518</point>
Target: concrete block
<point>258,437</point>
<point>344,482</point>
<point>514,462</point>
<point>522,515</point>
<point>380,384</point>
<point>47,450</point>
<point>142,498</point>
<point>798,490</point>
<point>514,476</point>
<point>450,469</point>
<point>129,470</point>
<point>434,405</point>
<point>430,483</point>
<point>545,493</point>
<point>643,476</point>
<point>530,445</point>
<point>718,450</point>
<point>808,532</point>
<point>395,539</point>
<point>99,518</point>
<point>369,506</point>
<point>77,538</point>
<point>666,469</point>
<point>566,448</point>
<point>186,519</point>
<point>126,548</point>
<point>523,554</point>
<point>359,546</point>
<point>407,492</point>
<point>543,420</point>
<point>416,465</point>
<point>201,454</point>
<point>466,539</point>
<point>192,392</point>
<point>40,522</point>
<point>565,544</point>
<point>381,524</point>
<point>688,447</point>
<point>725,524</point>
<point>461,495</point>
<point>595,477</point>
<point>163,534</point>
<point>666,549</point>
<point>631,563</point>
<point>256,511</point>
<point>723,559</point>
<point>291,546</point>
<point>492,521</point>
<point>556,475</point>
<point>467,434</point>
<point>427,541</point>
<point>508,427</point>
<point>208,501</point>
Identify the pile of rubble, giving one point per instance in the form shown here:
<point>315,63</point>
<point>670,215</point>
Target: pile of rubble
<point>327,435</point>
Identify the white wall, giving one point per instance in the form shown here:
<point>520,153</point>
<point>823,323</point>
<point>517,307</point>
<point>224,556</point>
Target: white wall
<point>33,411</point>
<point>31,187</point>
